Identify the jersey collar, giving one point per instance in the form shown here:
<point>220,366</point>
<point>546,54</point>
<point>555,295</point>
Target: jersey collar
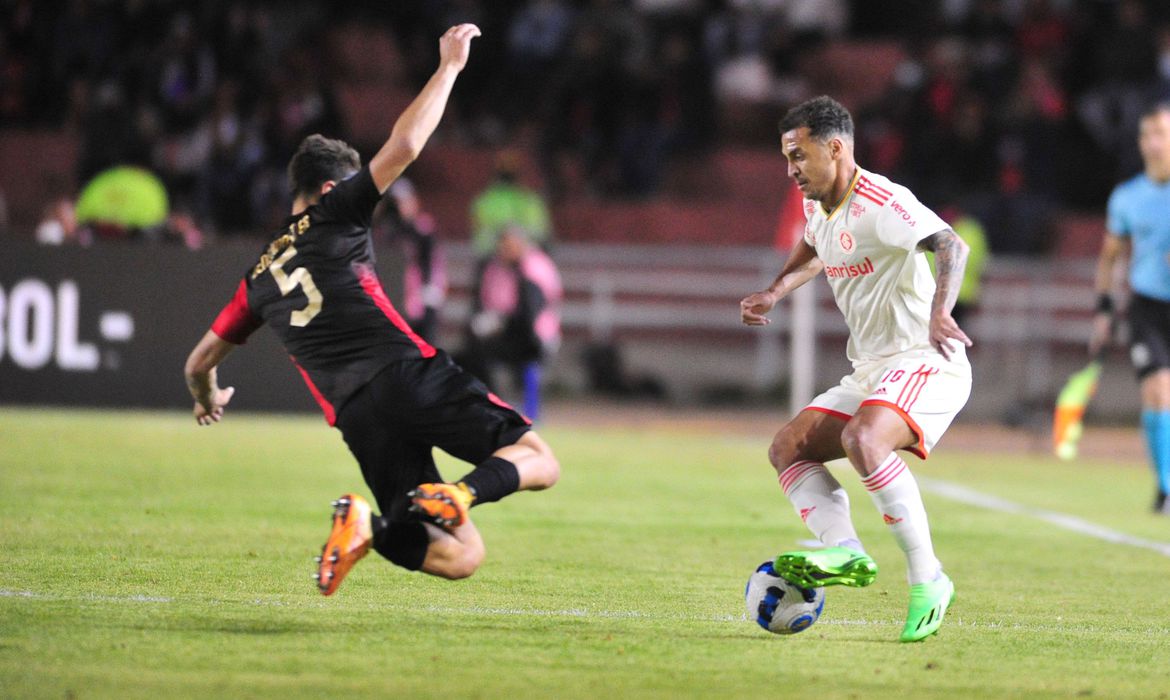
<point>845,197</point>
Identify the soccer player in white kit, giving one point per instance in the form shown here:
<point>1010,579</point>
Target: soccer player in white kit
<point>911,375</point>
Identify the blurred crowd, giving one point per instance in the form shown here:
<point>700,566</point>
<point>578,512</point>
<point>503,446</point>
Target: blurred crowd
<point>211,97</point>
<point>1014,110</point>
<point>1009,109</point>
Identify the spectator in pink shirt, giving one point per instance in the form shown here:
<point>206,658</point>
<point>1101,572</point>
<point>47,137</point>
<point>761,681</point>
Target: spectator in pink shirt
<point>515,321</point>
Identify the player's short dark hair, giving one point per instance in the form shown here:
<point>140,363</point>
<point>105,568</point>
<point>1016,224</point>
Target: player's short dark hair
<point>319,160</point>
<point>1156,108</point>
<point>824,117</point>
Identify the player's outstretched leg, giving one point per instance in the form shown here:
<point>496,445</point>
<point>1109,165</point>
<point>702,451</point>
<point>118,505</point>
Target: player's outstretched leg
<point>348,542</point>
<point>526,465</point>
<point>928,604</point>
<point>834,566</point>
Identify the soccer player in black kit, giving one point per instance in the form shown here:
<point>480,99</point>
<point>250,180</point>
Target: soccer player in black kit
<point>393,396</point>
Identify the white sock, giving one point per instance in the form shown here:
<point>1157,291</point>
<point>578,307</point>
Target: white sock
<point>820,502</point>
<point>895,493</point>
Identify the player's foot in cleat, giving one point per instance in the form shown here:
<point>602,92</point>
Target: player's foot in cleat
<point>928,604</point>
<point>348,542</point>
<point>1161,504</point>
<point>444,505</point>
<point>833,566</point>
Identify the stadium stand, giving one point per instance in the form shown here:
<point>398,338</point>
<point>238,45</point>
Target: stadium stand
<point>992,105</point>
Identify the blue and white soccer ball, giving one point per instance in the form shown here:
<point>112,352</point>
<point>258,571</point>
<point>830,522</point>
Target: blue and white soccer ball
<point>779,606</point>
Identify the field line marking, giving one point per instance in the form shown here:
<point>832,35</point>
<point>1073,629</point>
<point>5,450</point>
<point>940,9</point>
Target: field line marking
<point>969,496</point>
<point>6,593</point>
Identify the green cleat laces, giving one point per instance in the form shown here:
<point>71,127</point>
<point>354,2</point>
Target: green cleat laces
<point>833,566</point>
<point>928,604</point>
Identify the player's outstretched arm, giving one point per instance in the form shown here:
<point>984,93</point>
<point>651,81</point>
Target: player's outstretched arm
<point>801,266</point>
<point>420,119</point>
<point>950,258</point>
<point>201,380</point>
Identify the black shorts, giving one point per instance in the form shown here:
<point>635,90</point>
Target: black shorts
<point>1149,328</point>
<point>392,424</point>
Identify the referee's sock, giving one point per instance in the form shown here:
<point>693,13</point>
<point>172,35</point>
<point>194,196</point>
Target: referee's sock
<point>1157,429</point>
<point>493,479</point>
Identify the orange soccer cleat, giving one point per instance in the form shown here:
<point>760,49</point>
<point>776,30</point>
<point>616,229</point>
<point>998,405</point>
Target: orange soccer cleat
<point>444,505</point>
<point>348,542</point>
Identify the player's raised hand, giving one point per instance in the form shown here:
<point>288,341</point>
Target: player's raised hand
<point>943,329</point>
<point>208,414</point>
<point>753,307</point>
<point>455,45</point>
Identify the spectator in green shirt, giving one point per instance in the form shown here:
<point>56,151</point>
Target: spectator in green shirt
<point>505,203</point>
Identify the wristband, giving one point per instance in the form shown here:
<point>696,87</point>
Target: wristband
<point>1104,303</point>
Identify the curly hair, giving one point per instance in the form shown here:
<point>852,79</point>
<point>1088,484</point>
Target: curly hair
<point>319,160</point>
<point>824,117</point>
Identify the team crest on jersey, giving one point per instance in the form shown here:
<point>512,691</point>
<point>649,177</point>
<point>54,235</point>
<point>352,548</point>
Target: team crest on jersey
<point>809,208</point>
<point>846,241</point>
<point>855,209</point>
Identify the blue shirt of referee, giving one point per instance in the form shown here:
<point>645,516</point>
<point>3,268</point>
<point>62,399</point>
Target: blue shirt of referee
<point>1138,222</point>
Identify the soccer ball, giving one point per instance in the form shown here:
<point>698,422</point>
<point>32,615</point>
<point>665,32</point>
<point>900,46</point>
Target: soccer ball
<point>779,606</point>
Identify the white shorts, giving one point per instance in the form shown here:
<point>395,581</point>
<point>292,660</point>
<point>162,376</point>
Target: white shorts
<point>926,390</point>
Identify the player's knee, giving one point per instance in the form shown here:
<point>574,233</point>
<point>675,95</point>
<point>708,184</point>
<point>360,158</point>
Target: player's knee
<point>464,563</point>
<point>459,562</point>
<point>782,452</point>
<point>548,467</point>
<point>852,438</point>
<point>454,572</point>
<point>551,473</point>
<point>859,439</point>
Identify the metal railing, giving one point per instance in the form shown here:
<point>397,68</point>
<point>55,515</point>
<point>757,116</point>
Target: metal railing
<point>1034,315</point>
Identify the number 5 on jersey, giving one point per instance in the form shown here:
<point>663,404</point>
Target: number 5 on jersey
<point>300,277</point>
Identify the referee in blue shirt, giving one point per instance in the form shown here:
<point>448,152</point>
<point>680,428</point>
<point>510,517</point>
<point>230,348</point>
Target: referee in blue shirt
<point>1138,222</point>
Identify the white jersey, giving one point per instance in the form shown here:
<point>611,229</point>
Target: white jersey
<point>880,280</point>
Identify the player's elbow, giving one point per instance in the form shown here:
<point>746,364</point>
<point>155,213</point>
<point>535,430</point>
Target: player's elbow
<point>404,148</point>
<point>193,374</point>
<point>199,364</point>
<point>952,240</point>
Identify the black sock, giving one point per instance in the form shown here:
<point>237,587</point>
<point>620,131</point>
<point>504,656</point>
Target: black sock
<point>493,479</point>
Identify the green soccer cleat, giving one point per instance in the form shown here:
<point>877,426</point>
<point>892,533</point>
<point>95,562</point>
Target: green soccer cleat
<point>833,566</point>
<point>928,604</point>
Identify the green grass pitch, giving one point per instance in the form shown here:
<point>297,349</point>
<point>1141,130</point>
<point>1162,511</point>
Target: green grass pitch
<point>146,557</point>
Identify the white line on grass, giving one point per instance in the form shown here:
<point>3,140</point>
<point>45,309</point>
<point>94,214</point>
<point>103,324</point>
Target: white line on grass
<point>100,598</point>
<point>962,494</point>
<point>954,492</point>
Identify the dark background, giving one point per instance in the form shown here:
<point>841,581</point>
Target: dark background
<point>173,295</point>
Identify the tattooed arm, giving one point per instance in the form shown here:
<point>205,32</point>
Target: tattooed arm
<point>950,259</point>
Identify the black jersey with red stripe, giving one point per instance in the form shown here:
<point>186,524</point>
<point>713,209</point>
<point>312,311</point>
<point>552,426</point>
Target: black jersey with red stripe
<point>315,286</point>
